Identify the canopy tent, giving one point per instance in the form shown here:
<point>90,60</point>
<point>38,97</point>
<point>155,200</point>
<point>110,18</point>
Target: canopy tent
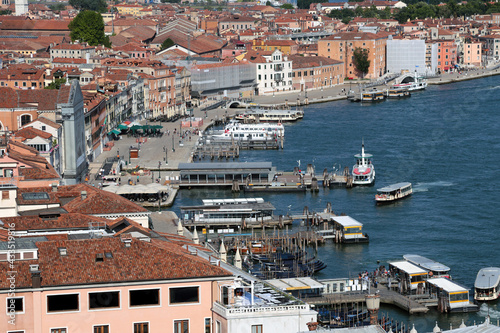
<point>135,128</point>
<point>116,132</point>
<point>123,127</point>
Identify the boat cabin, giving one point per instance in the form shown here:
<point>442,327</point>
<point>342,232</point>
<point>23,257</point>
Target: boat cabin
<point>411,277</point>
<point>435,269</point>
<point>487,284</point>
<point>451,296</point>
<point>348,230</point>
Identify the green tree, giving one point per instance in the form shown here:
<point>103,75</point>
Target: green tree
<point>170,1</point>
<point>56,84</point>
<point>88,26</point>
<point>95,5</point>
<point>287,6</point>
<point>360,59</point>
<point>167,43</point>
<point>5,12</point>
<point>268,3</point>
<point>304,4</point>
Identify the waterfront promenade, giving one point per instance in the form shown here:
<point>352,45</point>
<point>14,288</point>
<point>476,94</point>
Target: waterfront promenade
<point>176,149</point>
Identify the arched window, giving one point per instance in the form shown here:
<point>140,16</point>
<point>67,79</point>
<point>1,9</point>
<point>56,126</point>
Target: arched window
<point>25,118</point>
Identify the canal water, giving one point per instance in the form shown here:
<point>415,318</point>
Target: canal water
<point>445,141</point>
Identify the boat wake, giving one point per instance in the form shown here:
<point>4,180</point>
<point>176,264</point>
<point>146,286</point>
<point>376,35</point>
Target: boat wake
<point>484,311</point>
<point>424,187</point>
<point>494,88</point>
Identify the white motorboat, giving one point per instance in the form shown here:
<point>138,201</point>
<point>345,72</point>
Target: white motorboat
<point>487,284</point>
<point>363,172</point>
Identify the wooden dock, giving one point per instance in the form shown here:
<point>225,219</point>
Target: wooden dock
<point>386,296</point>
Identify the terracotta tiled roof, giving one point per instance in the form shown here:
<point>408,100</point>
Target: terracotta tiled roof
<point>63,222</point>
<point>30,133</point>
<point>311,62</point>
<point>141,261</point>
<point>97,201</point>
<point>67,46</point>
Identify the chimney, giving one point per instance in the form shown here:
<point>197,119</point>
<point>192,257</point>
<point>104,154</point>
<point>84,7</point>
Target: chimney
<point>54,187</point>
<point>36,279</point>
<point>126,239</point>
<point>83,195</point>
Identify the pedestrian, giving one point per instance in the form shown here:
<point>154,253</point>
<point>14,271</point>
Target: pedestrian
<point>137,178</point>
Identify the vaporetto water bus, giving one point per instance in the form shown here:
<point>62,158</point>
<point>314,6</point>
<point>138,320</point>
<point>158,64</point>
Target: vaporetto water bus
<point>487,284</point>
<point>363,172</point>
<point>435,268</point>
<point>393,193</point>
<point>241,132</point>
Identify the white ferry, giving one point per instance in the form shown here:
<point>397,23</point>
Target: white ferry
<point>393,192</point>
<point>487,285</point>
<point>263,115</point>
<point>363,171</point>
<point>256,132</point>
<point>417,84</point>
<point>435,268</point>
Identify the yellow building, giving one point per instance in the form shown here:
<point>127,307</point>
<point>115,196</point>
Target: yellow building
<point>126,9</point>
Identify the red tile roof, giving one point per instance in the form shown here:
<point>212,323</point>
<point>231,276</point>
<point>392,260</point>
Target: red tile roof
<point>141,261</point>
<point>30,133</point>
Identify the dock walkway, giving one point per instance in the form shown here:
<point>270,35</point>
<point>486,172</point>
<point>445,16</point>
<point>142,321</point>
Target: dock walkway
<point>386,296</point>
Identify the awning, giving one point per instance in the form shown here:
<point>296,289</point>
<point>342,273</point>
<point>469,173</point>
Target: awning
<point>136,128</point>
<point>156,126</point>
<point>126,122</point>
<point>116,132</point>
<point>122,127</point>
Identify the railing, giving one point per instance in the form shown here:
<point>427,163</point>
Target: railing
<point>232,310</point>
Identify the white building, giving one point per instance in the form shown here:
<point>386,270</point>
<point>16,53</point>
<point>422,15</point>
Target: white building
<point>274,72</point>
<point>405,55</point>
<point>21,7</point>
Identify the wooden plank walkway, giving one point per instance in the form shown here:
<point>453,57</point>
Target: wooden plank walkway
<point>386,296</point>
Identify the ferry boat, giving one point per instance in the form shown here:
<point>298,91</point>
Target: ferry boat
<point>263,115</point>
<point>368,96</point>
<point>417,84</point>
<point>363,171</point>
<point>393,192</point>
<point>435,268</point>
<point>487,285</point>
<point>257,132</point>
<point>398,93</point>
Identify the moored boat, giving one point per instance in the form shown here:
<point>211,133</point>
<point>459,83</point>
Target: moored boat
<point>418,84</point>
<point>398,93</point>
<point>363,171</point>
<point>487,284</point>
<point>263,115</point>
<point>393,193</point>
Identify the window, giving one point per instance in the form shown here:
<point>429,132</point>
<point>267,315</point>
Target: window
<point>256,328</point>
<point>184,295</point>
<point>44,128</point>
<point>26,118</point>
<point>58,330</point>
<point>218,327</point>
<point>144,297</point>
<point>101,329</point>
<point>141,327</point>
<point>107,299</point>
<point>14,304</point>
<point>181,326</point>
<point>67,302</point>
<point>6,196</point>
<point>208,325</point>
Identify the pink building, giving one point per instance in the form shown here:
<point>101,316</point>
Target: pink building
<point>108,285</point>
<point>472,54</point>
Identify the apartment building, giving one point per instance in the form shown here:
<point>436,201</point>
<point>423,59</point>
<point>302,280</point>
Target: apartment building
<point>273,71</point>
<point>341,47</point>
<point>316,72</point>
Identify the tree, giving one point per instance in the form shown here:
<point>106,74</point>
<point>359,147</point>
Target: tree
<point>88,26</point>
<point>360,59</point>
<point>95,5</point>
<point>268,3</point>
<point>166,44</point>
<point>56,84</point>
<point>170,1</point>
<point>57,7</point>
<point>287,6</point>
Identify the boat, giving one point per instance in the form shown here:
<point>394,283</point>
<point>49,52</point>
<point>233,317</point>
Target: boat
<point>393,192</point>
<point>398,93</point>
<point>418,84</point>
<point>363,171</point>
<point>487,284</point>
<point>264,115</point>
<point>250,132</point>
<point>435,268</point>
<point>276,187</point>
<point>368,96</point>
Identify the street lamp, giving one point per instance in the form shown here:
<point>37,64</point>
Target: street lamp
<point>159,170</point>
<point>166,152</point>
<point>173,148</point>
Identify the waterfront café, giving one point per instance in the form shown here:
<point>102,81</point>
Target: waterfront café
<point>411,277</point>
<point>451,296</point>
<point>206,174</point>
<point>435,268</point>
